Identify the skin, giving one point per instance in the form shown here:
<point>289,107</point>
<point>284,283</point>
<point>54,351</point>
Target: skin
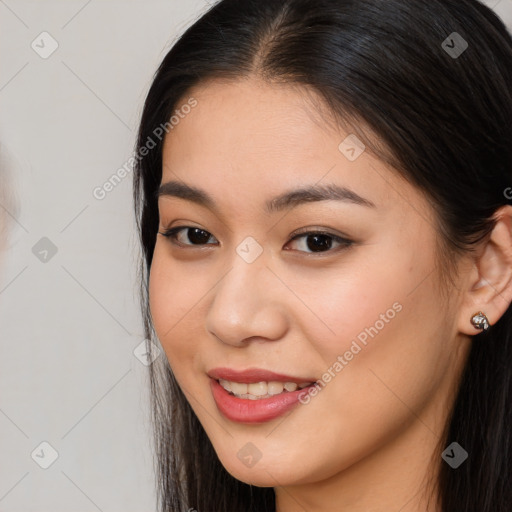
<point>376,424</point>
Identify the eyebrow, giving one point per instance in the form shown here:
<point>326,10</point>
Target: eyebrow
<point>286,200</point>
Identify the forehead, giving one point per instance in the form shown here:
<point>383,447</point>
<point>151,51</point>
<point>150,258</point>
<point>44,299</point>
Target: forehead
<point>250,116</point>
<point>247,138</point>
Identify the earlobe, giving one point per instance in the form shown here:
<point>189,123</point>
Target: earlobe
<point>489,290</point>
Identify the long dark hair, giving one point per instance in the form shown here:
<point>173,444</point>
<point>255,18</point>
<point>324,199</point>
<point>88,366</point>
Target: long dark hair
<point>443,120</point>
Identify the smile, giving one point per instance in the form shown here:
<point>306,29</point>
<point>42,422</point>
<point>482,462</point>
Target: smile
<point>253,408</point>
<point>260,390</point>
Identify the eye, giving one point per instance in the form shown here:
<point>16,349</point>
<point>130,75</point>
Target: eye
<point>313,241</point>
<point>320,241</point>
<point>196,236</point>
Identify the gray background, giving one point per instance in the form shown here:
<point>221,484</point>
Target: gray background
<point>69,318</point>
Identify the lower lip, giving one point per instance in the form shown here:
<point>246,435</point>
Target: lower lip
<point>245,410</point>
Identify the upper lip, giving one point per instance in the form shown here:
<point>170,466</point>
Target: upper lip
<point>251,375</point>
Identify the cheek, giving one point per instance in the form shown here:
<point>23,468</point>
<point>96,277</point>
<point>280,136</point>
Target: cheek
<point>171,299</point>
<point>161,296</point>
<point>178,296</point>
<point>348,304</point>
<point>388,343</point>
<point>386,314</point>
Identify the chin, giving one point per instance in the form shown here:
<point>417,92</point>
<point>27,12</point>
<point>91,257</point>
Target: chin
<point>268,473</point>
<point>262,478</point>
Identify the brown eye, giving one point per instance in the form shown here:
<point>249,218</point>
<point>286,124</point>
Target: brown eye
<point>187,235</point>
<point>320,241</point>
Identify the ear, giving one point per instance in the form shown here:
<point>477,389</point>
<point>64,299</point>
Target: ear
<point>489,286</point>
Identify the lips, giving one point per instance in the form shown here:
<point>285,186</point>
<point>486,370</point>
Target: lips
<point>244,410</point>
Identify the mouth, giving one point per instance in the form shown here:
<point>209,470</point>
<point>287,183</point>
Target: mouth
<point>256,395</point>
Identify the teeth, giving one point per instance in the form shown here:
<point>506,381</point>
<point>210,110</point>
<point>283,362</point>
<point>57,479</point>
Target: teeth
<point>225,384</point>
<point>274,388</point>
<point>290,386</point>
<point>258,390</point>
<point>238,388</point>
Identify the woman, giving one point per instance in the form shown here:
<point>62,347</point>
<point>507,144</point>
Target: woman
<point>321,195</point>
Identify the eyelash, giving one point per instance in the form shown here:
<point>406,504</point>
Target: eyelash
<point>345,243</point>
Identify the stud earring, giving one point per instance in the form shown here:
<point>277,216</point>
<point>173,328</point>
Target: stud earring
<point>480,321</point>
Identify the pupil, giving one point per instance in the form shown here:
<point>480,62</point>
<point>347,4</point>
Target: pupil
<point>322,241</point>
<point>194,235</point>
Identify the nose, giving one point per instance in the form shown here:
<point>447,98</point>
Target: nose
<point>248,305</point>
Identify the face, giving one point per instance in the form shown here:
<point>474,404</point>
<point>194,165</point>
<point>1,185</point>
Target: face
<point>338,290</point>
